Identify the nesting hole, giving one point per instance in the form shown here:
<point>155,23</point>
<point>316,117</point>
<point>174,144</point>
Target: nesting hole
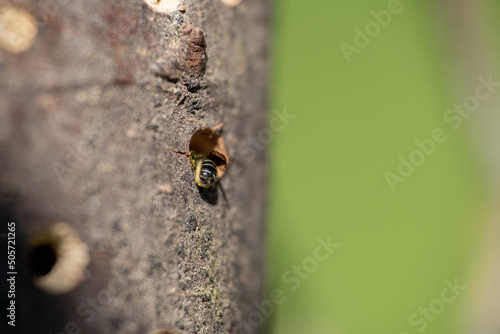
<point>163,6</point>
<point>43,258</point>
<point>58,259</point>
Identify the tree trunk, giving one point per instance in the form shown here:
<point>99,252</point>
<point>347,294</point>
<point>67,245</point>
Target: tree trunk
<point>92,114</point>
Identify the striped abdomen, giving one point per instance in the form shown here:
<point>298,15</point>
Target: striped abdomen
<point>207,174</point>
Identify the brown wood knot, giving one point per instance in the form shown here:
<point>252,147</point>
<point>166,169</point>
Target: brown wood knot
<point>191,53</point>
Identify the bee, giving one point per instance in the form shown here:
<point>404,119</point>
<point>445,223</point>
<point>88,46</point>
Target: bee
<point>205,170</point>
<point>208,156</point>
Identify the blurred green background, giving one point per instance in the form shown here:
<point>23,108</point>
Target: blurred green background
<point>352,122</point>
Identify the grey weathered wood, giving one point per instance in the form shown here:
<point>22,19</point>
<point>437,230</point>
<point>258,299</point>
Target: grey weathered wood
<point>90,117</point>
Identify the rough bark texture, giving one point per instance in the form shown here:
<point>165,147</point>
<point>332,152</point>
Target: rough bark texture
<point>91,116</point>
